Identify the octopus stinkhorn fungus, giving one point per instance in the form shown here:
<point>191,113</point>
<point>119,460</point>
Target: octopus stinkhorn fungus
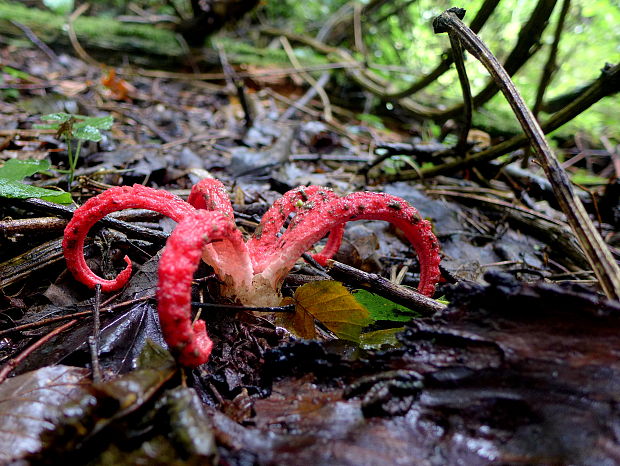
<point>250,272</point>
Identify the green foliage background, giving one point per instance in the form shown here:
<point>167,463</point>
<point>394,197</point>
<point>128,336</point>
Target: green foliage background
<point>591,38</point>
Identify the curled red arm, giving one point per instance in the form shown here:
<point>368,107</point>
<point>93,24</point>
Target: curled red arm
<point>306,230</point>
<point>112,200</point>
<point>178,263</point>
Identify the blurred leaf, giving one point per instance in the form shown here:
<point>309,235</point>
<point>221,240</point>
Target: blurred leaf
<point>16,73</point>
<point>29,405</point>
<point>59,117</point>
<point>17,170</point>
<point>89,422</point>
<point>380,338</point>
<point>105,122</point>
<point>583,177</point>
<point>372,120</point>
<point>155,367</point>
<point>383,309</point>
<point>88,133</point>
<point>331,303</point>
<point>17,190</point>
<point>83,127</point>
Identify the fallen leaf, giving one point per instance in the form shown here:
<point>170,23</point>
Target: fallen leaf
<point>383,309</point>
<point>330,303</point>
<point>30,404</point>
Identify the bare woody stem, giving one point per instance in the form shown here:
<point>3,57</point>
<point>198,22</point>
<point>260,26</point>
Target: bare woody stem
<point>468,104</point>
<point>597,252</point>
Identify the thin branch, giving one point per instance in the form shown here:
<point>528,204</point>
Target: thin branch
<point>93,340</point>
<point>479,20</point>
<point>13,363</point>
<point>597,252</point>
<point>383,287</point>
<point>379,86</point>
<point>67,212</point>
<point>73,36</point>
<point>36,41</point>
<point>551,64</point>
<point>607,84</point>
<point>457,53</point>
<point>318,88</point>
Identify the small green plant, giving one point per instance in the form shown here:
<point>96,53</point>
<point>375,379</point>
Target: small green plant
<point>76,127</point>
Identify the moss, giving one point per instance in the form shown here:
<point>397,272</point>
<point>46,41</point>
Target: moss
<point>95,31</point>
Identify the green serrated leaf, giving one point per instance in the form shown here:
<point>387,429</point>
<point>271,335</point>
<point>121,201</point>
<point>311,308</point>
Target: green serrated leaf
<point>88,133</point>
<point>17,170</point>
<point>16,190</point>
<point>384,309</point>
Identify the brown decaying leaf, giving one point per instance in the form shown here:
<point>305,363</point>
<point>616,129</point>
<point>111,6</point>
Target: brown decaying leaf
<point>30,403</point>
<point>330,303</point>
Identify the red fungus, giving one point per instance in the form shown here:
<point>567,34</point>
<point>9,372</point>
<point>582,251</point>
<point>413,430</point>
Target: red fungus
<point>250,272</point>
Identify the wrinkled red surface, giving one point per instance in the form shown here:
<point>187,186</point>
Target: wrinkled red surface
<point>299,201</point>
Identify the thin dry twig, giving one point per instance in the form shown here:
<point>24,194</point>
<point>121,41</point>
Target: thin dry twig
<point>13,363</point>
<point>327,107</point>
<point>607,84</point>
<point>74,39</point>
<point>457,53</point>
<point>551,64</point>
<point>383,287</point>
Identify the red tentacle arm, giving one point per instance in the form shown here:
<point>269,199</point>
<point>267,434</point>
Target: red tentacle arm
<point>304,232</point>
<point>178,263</point>
<point>96,208</point>
<point>299,201</point>
<point>211,194</point>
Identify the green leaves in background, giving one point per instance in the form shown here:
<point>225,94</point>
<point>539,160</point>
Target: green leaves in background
<point>13,171</point>
<point>61,7</point>
<point>384,309</point>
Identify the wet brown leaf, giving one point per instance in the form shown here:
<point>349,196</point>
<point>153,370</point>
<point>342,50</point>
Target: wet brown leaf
<point>30,404</point>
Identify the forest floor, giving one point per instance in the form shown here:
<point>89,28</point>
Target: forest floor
<point>521,366</point>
